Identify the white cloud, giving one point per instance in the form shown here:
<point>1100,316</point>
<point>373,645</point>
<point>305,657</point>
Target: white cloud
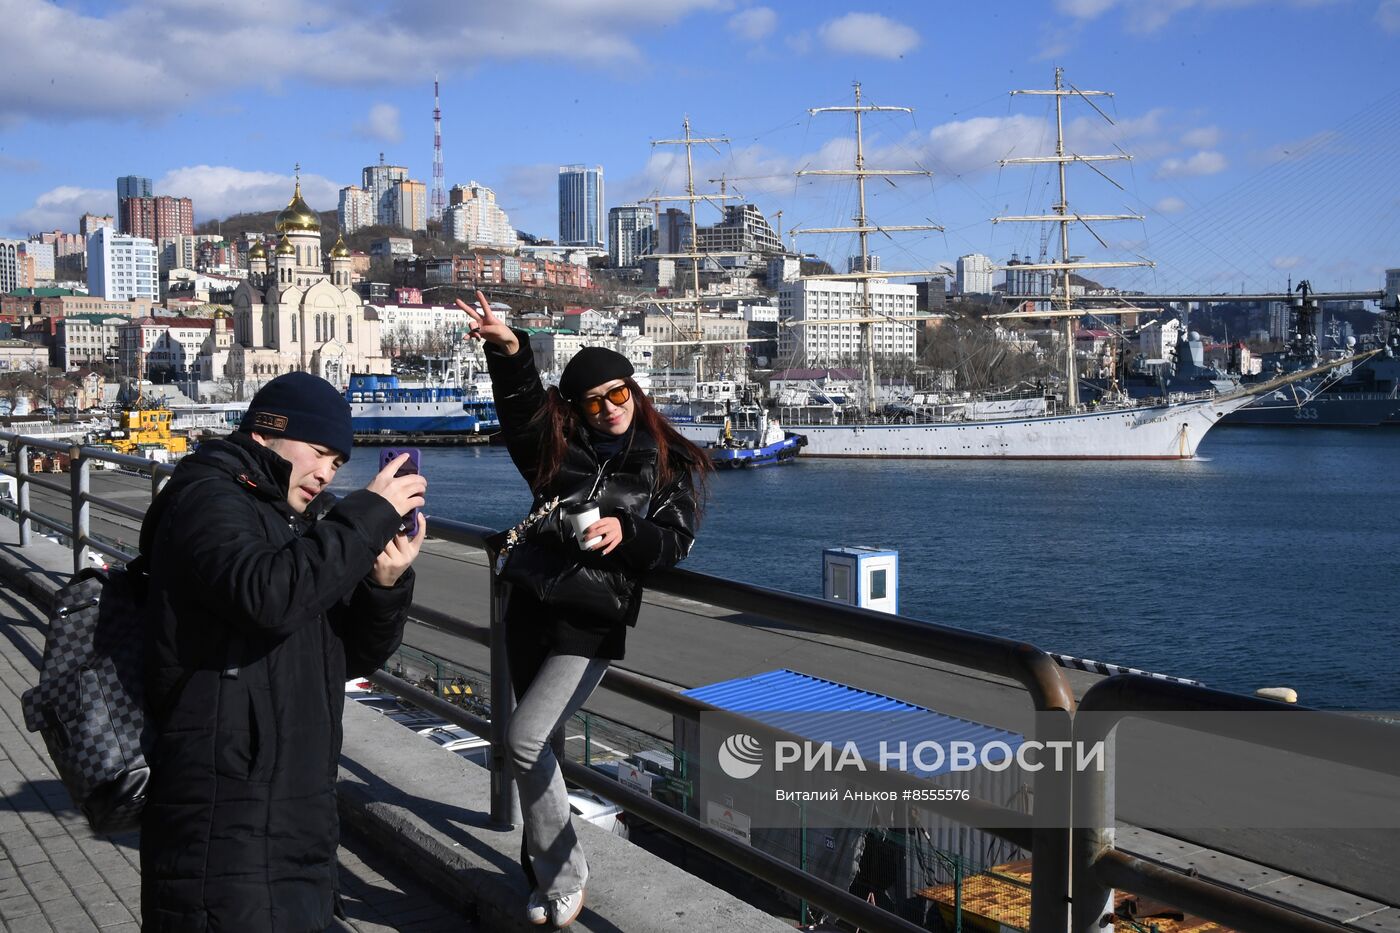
<point>1144,16</point>
<point>1204,162</point>
<point>1084,9</point>
<point>966,146</point>
<point>754,24</point>
<point>156,55</point>
<point>1170,205</point>
<point>799,43</point>
<point>868,34</point>
<point>1202,137</point>
<point>381,125</point>
<point>1140,136</point>
<point>220,190</point>
<point>1283,263</point>
<point>59,209</point>
<point>1388,16</point>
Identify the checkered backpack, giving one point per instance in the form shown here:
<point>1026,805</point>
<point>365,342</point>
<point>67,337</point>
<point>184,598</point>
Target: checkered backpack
<point>89,704</point>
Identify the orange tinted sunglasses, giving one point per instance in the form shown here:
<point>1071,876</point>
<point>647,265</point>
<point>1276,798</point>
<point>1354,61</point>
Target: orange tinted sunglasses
<point>618,395</point>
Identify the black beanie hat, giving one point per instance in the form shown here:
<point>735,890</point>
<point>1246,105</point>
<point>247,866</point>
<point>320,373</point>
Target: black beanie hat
<point>302,407</point>
<point>592,366</point>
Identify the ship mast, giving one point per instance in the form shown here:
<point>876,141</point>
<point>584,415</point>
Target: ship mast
<point>1064,218</point>
<point>864,315</point>
<point>694,255</point>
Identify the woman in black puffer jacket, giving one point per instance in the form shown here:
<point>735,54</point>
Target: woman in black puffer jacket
<point>572,597</point>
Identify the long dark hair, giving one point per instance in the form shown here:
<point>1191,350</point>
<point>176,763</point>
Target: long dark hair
<point>557,420</point>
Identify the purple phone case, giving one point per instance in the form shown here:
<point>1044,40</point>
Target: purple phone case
<point>409,524</point>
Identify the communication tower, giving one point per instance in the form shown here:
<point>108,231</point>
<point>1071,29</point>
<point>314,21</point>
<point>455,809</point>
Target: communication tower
<point>439,200</point>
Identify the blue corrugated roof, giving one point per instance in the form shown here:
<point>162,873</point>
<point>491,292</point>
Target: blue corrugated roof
<point>825,711</point>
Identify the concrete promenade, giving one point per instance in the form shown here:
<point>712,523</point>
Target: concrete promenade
<point>418,854</point>
<point>55,875</point>
<point>1351,876</point>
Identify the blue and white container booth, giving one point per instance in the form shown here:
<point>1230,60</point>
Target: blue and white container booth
<point>861,576</point>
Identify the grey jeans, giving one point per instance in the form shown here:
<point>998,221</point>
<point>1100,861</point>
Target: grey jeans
<point>534,743</point>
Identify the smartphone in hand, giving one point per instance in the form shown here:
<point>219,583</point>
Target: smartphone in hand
<point>409,525</point>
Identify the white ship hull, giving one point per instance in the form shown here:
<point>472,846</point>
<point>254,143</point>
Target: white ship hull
<point>1164,432</point>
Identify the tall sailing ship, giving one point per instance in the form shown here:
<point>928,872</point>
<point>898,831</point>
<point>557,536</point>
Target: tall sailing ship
<point>1046,427</point>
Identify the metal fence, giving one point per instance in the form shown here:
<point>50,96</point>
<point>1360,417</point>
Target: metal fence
<point>1097,865</point>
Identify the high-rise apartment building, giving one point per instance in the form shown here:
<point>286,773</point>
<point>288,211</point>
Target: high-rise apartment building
<point>840,344</point>
<point>16,266</point>
<point>357,209</point>
<point>64,244</point>
<point>89,224</point>
<point>42,255</point>
<point>379,180</point>
<point>131,186</point>
<point>672,231</point>
<point>409,201</point>
<point>631,234</point>
<point>122,267</point>
<point>580,205</point>
<point>744,229</point>
<point>1026,282</point>
<point>474,218</point>
<point>975,274</point>
<point>152,218</point>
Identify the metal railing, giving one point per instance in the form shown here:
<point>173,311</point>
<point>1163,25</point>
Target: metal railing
<point>1099,867</point>
<point>1055,848</point>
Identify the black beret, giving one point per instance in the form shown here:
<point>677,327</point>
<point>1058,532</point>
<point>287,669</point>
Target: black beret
<point>592,366</point>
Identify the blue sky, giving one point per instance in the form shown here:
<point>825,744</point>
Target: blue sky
<point>1263,133</point>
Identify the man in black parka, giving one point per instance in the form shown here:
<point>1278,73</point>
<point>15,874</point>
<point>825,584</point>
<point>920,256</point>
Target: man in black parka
<point>257,615</point>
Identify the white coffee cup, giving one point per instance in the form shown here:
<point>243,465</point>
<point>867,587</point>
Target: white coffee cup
<point>580,516</point>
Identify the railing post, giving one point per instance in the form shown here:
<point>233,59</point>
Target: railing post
<point>504,807</point>
<point>1050,845</point>
<point>22,490</point>
<point>1093,835</point>
<point>78,472</point>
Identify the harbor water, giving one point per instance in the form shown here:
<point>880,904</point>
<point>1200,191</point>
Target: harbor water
<point>1271,560</point>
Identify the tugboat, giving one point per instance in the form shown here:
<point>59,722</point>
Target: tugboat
<point>772,445</point>
<point>145,432</point>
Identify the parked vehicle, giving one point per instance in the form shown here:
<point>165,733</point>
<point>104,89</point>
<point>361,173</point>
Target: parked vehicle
<point>463,742</point>
<point>599,811</point>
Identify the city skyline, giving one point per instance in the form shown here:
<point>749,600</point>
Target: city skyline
<point>1258,156</point>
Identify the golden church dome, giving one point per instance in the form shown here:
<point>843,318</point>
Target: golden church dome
<point>297,216</point>
<point>340,250</point>
<point>258,251</point>
<point>285,247</point>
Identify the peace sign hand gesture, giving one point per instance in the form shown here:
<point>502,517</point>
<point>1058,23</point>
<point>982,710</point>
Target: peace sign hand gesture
<point>486,326</point>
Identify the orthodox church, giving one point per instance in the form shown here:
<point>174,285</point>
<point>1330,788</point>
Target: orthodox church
<point>292,314</point>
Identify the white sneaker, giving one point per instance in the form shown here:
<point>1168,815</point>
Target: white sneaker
<point>565,909</point>
<point>537,908</point>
